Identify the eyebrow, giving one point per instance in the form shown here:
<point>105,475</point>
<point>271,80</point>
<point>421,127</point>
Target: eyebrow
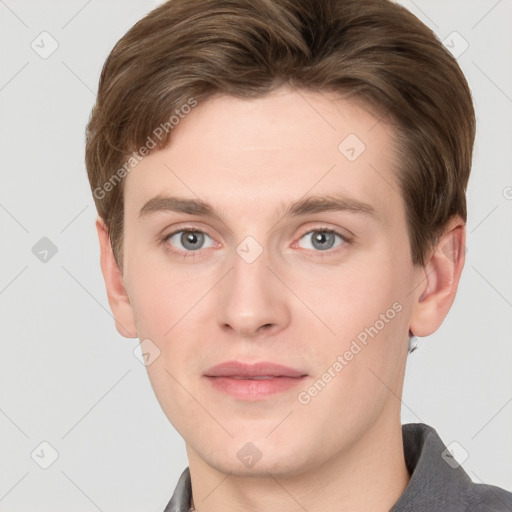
<point>179,205</point>
<point>305,206</point>
<point>320,204</point>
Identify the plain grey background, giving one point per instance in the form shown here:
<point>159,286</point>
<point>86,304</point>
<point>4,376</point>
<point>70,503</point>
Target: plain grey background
<point>70,380</point>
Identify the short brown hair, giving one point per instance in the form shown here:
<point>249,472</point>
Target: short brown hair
<point>373,50</point>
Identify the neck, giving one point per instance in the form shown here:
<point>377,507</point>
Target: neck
<point>370,475</point>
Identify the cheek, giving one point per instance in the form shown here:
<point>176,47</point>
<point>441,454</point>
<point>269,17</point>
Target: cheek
<point>174,394</point>
<point>160,295</point>
<point>367,311</point>
<point>351,298</point>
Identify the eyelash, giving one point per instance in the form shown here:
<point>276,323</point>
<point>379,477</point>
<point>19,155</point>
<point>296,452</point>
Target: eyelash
<point>192,254</point>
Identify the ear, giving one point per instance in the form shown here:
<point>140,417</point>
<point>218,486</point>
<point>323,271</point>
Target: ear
<point>117,296</point>
<point>440,279</point>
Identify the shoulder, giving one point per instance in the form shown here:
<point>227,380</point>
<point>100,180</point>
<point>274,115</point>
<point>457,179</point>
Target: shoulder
<point>438,482</point>
<point>488,498</point>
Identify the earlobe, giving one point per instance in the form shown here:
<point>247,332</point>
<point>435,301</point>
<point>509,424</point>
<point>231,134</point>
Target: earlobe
<point>440,279</point>
<point>116,291</point>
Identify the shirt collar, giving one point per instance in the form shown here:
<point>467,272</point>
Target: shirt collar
<point>437,481</point>
<point>180,501</point>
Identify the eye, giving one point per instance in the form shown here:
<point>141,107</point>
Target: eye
<point>322,239</point>
<point>188,240</point>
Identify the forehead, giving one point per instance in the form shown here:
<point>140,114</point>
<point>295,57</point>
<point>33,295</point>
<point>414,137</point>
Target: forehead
<point>270,151</point>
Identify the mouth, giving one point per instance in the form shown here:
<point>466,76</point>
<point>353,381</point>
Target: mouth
<point>261,377</point>
<point>257,381</point>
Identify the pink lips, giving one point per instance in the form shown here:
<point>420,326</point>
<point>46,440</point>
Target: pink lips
<point>253,381</point>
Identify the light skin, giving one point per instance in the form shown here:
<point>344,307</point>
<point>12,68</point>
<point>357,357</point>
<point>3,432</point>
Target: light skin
<point>297,304</point>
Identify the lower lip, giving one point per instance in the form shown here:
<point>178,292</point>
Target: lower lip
<point>252,389</point>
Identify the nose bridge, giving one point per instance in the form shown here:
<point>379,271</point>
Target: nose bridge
<point>251,296</point>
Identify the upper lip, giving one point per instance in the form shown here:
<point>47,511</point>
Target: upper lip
<point>261,369</point>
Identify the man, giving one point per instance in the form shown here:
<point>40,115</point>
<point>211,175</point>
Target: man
<point>281,197</point>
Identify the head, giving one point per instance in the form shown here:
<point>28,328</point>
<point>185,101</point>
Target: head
<point>318,154</point>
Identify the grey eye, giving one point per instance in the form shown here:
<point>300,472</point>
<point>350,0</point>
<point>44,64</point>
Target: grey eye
<point>189,240</point>
<point>322,240</point>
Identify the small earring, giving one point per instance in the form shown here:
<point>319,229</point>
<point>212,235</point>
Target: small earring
<point>413,342</point>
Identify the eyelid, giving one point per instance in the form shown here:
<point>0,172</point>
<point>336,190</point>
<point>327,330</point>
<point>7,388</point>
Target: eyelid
<point>184,226</point>
<point>187,230</point>
<point>346,235</point>
<point>174,233</point>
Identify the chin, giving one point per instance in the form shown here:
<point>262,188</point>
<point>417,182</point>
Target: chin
<point>257,459</point>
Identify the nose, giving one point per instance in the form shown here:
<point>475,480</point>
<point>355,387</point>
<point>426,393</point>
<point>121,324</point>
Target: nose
<point>251,300</point>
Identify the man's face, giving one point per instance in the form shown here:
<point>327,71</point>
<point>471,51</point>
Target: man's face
<point>325,291</point>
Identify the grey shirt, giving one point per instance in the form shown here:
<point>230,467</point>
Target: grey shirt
<point>438,483</point>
